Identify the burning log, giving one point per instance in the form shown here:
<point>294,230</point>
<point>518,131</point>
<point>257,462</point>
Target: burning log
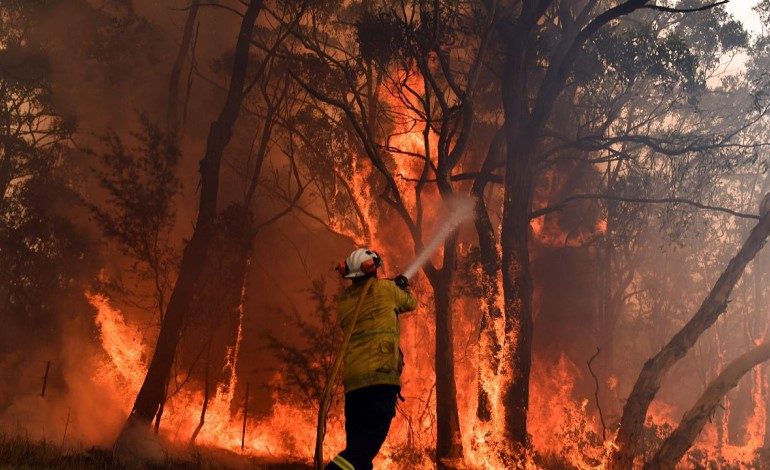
<point>674,447</point>
<point>649,380</point>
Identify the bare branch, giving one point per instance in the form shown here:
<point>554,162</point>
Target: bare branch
<point>596,394</point>
<point>668,200</point>
<point>685,10</point>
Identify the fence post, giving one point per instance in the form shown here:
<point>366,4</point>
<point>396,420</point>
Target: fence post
<point>45,377</point>
<point>245,414</point>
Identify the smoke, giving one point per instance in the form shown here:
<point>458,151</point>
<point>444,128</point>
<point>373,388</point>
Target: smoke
<point>81,406</point>
<point>104,79</point>
<point>461,210</point>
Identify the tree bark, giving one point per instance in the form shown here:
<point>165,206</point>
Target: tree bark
<point>517,295</point>
<point>649,380</point>
<point>6,164</point>
<point>448,438</point>
<point>516,274</point>
<point>214,319</point>
<point>172,110</point>
<point>675,446</point>
<point>205,405</point>
<point>490,342</point>
<point>151,393</point>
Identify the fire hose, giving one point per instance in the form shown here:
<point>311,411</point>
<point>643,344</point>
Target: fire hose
<point>462,210</point>
<point>327,397</point>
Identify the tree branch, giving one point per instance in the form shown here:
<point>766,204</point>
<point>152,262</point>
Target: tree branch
<point>667,200</point>
<point>596,394</point>
<point>685,10</point>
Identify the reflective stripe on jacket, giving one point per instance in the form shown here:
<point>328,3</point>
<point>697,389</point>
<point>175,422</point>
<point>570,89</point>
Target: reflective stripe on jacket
<point>373,357</point>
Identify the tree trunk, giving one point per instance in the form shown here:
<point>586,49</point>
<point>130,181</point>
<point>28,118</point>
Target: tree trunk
<point>214,320</point>
<point>490,345</point>
<point>514,238</point>
<point>675,446</point>
<point>448,438</point>
<point>766,397</point>
<point>648,382</point>
<point>205,405</point>
<point>6,167</point>
<point>172,110</point>
<point>151,393</point>
<point>723,414</point>
<point>517,295</point>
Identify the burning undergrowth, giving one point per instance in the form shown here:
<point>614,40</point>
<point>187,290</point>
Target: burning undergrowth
<point>425,131</point>
<point>103,363</point>
<point>106,377</point>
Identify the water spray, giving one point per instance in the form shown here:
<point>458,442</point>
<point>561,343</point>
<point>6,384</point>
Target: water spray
<point>460,210</point>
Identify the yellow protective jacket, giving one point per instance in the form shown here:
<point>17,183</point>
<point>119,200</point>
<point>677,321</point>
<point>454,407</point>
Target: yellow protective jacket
<point>372,356</point>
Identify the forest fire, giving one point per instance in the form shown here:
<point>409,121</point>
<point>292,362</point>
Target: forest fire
<point>566,430</point>
<point>551,218</point>
<point>279,435</point>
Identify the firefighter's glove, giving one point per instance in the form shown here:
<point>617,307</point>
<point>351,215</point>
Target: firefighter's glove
<point>402,282</point>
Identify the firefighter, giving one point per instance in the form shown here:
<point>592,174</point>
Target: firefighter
<point>373,360</point>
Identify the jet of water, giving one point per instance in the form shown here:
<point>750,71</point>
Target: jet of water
<point>460,210</point>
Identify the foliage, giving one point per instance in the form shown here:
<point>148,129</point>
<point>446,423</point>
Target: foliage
<point>308,357</point>
<point>138,212</point>
<point>44,253</point>
<point>632,53</point>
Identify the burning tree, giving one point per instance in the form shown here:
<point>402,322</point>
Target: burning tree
<point>409,100</point>
<point>613,166</point>
<point>411,40</point>
<point>152,394</point>
<point>213,267</point>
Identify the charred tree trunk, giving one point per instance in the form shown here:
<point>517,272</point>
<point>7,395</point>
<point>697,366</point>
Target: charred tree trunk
<point>172,111</point>
<point>6,164</point>
<point>205,405</point>
<point>648,382</point>
<point>172,123</point>
<point>514,238</point>
<point>517,294</point>
<point>214,321</point>
<point>161,407</point>
<point>490,344</point>
<point>675,446</point>
<point>151,394</point>
<point>723,414</point>
<point>448,437</point>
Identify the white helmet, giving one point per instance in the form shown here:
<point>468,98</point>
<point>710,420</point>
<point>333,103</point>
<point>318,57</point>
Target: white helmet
<point>360,263</point>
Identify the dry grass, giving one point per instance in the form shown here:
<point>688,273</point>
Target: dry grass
<point>21,452</point>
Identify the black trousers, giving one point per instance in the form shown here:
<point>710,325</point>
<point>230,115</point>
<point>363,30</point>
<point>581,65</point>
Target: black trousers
<point>368,413</point>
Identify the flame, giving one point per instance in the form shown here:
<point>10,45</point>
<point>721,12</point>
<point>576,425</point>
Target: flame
<point>356,178</point>
<point>562,423</point>
<point>601,226</point>
<point>559,423</point>
<point>124,370</point>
